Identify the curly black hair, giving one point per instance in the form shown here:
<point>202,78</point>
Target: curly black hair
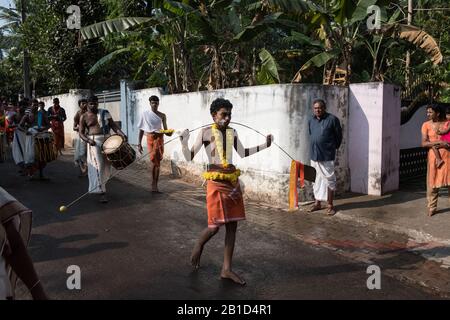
<point>219,103</point>
<point>93,99</point>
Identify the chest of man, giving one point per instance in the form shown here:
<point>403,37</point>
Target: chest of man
<point>322,128</point>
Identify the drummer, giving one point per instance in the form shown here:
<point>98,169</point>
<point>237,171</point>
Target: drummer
<point>95,127</point>
<point>32,123</point>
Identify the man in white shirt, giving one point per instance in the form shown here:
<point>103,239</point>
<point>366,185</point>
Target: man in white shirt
<point>151,124</point>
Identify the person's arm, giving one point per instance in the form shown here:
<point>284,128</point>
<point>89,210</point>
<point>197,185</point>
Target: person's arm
<point>82,131</point>
<point>141,135</point>
<point>446,129</point>
<point>63,115</point>
<point>164,121</point>
<point>76,122</point>
<point>245,152</point>
<point>116,129</point>
<point>338,132</point>
<point>184,138</point>
<point>50,113</point>
<point>23,124</point>
<point>426,140</point>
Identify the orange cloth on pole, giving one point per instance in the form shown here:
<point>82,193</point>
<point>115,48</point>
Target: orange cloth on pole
<point>155,144</point>
<point>297,172</point>
<point>437,177</point>
<point>224,203</point>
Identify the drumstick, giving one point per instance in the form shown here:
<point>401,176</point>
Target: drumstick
<point>64,208</point>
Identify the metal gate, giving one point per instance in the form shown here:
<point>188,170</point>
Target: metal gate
<point>413,163</point>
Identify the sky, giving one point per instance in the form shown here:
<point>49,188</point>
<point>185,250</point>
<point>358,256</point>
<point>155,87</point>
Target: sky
<point>4,3</point>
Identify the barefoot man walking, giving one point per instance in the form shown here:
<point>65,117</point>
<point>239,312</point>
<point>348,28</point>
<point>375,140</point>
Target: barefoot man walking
<point>223,192</point>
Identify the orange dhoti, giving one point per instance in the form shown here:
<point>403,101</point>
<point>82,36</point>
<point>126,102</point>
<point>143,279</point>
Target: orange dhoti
<point>224,203</point>
<point>155,145</point>
<point>58,130</point>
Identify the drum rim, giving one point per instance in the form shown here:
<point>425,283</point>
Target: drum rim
<point>120,146</point>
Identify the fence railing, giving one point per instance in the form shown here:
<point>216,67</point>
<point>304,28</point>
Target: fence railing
<point>108,96</point>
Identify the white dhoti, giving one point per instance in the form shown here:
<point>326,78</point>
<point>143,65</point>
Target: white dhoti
<point>80,155</point>
<point>18,146</point>
<point>29,153</point>
<point>325,179</point>
<point>99,168</point>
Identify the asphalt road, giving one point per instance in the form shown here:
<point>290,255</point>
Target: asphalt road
<point>138,246</point>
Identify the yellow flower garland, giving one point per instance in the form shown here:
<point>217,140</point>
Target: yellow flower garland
<point>232,177</point>
<point>166,131</point>
<point>219,144</point>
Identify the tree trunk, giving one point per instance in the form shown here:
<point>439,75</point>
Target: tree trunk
<point>175,76</point>
<point>26,59</point>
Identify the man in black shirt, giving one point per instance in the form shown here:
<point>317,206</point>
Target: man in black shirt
<point>326,136</point>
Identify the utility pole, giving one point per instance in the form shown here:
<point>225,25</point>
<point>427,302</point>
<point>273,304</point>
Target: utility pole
<point>408,54</point>
<point>26,59</point>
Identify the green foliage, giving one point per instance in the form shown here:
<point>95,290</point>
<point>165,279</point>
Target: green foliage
<point>193,45</point>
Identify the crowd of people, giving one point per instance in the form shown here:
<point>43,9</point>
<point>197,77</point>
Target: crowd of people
<point>27,123</point>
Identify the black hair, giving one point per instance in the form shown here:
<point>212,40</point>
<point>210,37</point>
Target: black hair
<point>219,103</point>
<point>438,109</point>
<point>23,103</point>
<point>81,101</point>
<point>153,98</point>
<point>35,100</point>
<point>40,103</point>
<point>93,99</point>
<point>55,99</point>
<point>320,102</point>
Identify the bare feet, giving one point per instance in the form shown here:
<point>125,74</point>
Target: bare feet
<point>439,163</point>
<point>331,211</point>
<point>103,198</point>
<point>315,207</point>
<point>228,274</point>
<point>195,256</point>
<point>431,212</point>
<point>155,188</point>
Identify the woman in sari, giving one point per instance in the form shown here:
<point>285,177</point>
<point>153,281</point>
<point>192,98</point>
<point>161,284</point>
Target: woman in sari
<point>438,174</point>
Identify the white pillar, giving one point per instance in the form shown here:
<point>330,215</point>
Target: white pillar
<point>374,138</point>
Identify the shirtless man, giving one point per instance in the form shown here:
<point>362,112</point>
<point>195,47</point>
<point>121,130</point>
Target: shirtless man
<point>94,128</point>
<point>80,145</point>
<point>224,199</point>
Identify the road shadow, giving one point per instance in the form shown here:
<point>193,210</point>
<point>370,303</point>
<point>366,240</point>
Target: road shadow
<point>47,248</point>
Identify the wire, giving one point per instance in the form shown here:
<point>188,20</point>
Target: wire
<point>146,154</point>
<point>119,171</point>
<point>243,125</point>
